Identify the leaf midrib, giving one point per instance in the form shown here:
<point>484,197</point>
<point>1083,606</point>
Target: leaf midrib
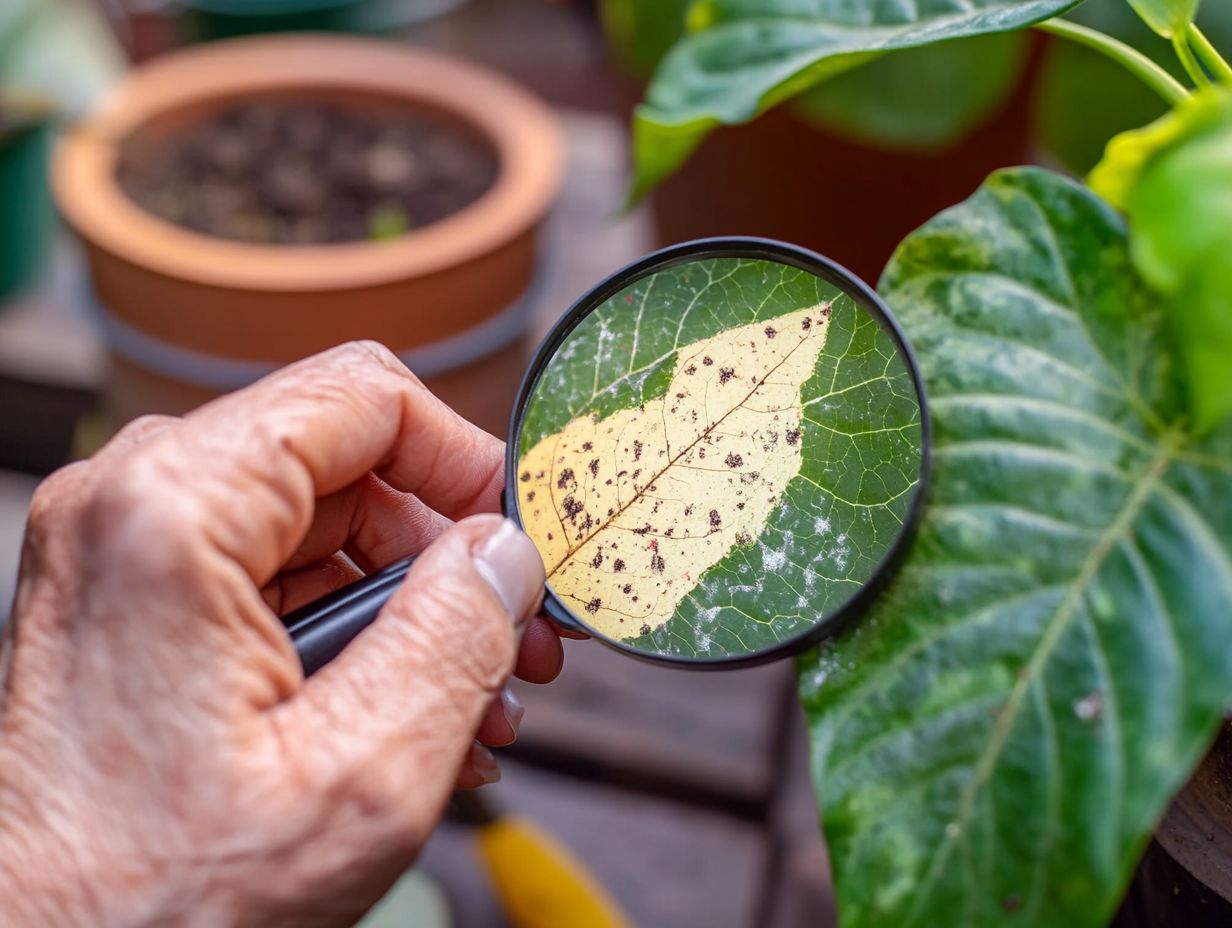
<point>1150,477</point>
<point>666,467</point>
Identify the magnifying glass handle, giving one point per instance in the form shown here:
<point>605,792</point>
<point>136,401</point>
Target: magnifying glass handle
<point>321,629</point>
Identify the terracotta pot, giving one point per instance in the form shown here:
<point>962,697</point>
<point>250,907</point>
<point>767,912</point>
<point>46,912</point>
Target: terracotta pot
<point>190,315</point>
<point>785,177</point>
<point>1185,878</point>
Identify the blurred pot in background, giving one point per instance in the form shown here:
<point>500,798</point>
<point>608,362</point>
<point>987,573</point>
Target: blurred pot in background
<point>242,260</point>
<point>851,166</point>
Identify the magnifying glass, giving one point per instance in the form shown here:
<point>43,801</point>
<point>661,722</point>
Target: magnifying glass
<point>720,452</point>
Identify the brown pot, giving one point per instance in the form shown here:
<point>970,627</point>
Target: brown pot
<point>784,177</point>
<point>1185,878</point>
<point>188,316</point>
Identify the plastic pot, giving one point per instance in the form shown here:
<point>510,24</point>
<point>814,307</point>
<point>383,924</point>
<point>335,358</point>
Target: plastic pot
<point>27,219</point>
<point>204,20</point>
<point>188,316</point>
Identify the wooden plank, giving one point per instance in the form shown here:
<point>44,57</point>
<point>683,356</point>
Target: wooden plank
<point>801,894</point>
<point>714,731</point>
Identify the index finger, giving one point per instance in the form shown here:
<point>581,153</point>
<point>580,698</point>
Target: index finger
<point>259,458</point>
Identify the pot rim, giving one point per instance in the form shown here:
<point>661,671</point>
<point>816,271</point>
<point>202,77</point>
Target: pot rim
<point>522,129</point>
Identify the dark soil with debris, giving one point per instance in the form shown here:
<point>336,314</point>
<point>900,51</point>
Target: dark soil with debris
<point>291,172</point>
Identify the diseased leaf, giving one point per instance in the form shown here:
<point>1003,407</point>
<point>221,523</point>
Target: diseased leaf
<point>755,54</point>
<point>718,457</point>
<point>641,504</point>
<point>993,744</point>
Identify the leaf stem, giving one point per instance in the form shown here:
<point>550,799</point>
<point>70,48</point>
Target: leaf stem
<point>1192,67</point>
<point>1131,59</point>
<point>1209,55</point>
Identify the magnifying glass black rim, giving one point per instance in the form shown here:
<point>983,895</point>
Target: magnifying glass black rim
<point>731,247</point>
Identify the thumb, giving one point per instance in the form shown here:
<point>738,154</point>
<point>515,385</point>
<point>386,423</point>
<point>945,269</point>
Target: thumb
<point>402,702</point>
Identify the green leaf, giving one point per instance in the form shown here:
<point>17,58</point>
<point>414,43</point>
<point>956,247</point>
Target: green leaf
<point>717,456</point>
<point>1180,213</point>
<point>994,742</point>
<point>919,98</point>
<point>641,31</point>
<point>1166,17</point>
<point>759,53</point>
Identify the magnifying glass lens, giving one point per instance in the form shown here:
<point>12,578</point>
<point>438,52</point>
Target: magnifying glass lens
<point>719,456</point>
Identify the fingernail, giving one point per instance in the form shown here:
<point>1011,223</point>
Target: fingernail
<point>513,709</point>
<point>508,560</point>
<point>484,764</point>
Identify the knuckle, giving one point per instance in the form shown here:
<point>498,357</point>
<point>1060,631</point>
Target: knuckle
<point>56,496</point>
<point>141,500</point>
<point>141,427</point>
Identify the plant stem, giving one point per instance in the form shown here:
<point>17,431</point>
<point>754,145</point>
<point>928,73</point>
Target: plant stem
<point>1192,67</point>
<point>1209,54</point>
<point>1131,59</point>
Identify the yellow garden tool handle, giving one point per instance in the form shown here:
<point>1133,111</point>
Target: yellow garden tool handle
<point>540,884</point>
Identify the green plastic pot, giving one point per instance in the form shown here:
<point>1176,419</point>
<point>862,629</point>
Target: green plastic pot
<point>204,20</point>
<point>27,218</point>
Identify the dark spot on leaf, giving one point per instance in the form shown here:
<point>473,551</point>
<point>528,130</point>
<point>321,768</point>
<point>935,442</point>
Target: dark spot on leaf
<point>726,374</point>
<point>770,332</point>
<point>594,605</point>
<point>627,589</point>
<point>594,467</point>
<point>691,370</point>
<point>733,459</point>
<point>611,512</point>
<point>525,476</point>
<point>657,564</point>
<point>743,538</point>
<point>715,521</point>
<point>688,510</point>
<point>539,476</point>
<point>549,536</point>
<point>637,450</point>
<point>598,559</point>
<point>645,629</point>
<point>668,533</point>
<point>793,436</point>
<point>587,445</point>
<point>572,507</point>
<point>806,324</point>
<point>530,497</point>
<point>618,566</point>
<point>565,478</point>
<point>707,360</point>
<point>740,506</point>
<point>636,473</point>
<point>825,311</point>
<point>643,530</point>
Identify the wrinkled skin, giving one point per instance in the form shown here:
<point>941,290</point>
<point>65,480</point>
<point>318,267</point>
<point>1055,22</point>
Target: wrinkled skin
<point>162,759</point>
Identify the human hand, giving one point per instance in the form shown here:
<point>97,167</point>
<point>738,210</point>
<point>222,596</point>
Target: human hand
<point>162,759</point>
